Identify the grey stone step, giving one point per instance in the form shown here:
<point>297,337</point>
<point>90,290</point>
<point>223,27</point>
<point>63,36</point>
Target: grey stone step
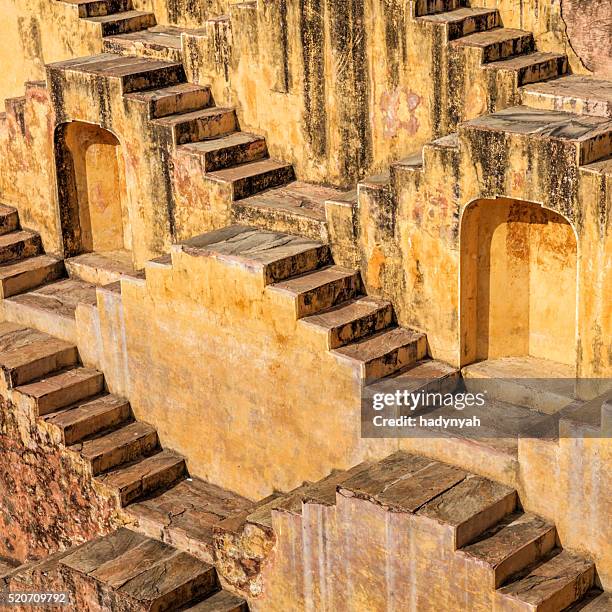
<point>122,23</point>
<point>554,585</point>
<point>60,390</point>
<point>498,44</point>
<point>131,442</point>
<point>227,151</point>
<point>9,219</point>
<point>173,100</point>
<point>19,244</point>
<point>464,21</point>
<point>321,289</point>
<point>145,475</point>
<point>85,419</point>
<point>384,353</point>
<point>352,320</point>
<point>29,273</point>
<point>199,125</point>
<point>514,544</point>
<point>252,177</point>
<point>27,354</point>
<point>274,255</point>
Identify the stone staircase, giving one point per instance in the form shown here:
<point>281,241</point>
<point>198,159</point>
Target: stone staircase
<point>128,571</point>
<point>480,65</point>
<point>499,556</point>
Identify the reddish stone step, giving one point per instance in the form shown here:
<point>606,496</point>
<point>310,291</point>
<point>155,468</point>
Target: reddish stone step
<point>384,353</point>
<point>321,289</point>
<point>19,245</point>
<point>199,125</point>
<point>29,273</point>
<point>126,444</point>
<point>83,420</point>
<point>464,21</point>
<point>60,390</point>
<point>9,219</point>
<point>121,23</point>
<point>176,99</point>
<point>145,476</point>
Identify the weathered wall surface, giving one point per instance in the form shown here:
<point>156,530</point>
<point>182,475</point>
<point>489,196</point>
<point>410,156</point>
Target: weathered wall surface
<point>47,498</point>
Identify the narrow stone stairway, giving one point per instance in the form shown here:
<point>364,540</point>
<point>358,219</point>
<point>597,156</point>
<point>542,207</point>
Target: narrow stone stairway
<point>128,571</point>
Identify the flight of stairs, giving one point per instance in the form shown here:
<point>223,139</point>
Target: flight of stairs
<point>128,571</point>
<point>513,556</point>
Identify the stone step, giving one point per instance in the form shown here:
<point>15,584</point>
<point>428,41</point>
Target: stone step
<point>196,507</point>
<point>99,8</point>
<point>131,442</point>
<point>296,208</point>
<point>60,390</point>
<point>471,507</point>
<point>497,44</point>
<point>102,269</point>
<point>122,23</point>
<point>590,136</point>
<point>19,245</point>
<point>253,177</point>
<point>464,21</point>
<point>574,93</point>
<point>532,67</point>
<point>231,150</point>
<point>132,73</point>
<point>352,320</point>
<point>51,308</point>
<point>221,601</point>
<point>274,255</point>
<point>27,354</point>
<point>9,219</point>
<point>517,542</point>
<point>321,289</point>
<point>553,585</point>
<point>594,601</point>
<point>420,8</point>
<point>89,418</point>
<point>199,125</point>
<point>145,476</point>
<point>140,573</point>
<point>384,353</point>
<point>161,42</point>
<point>29,273</point>
<point>173,100</point>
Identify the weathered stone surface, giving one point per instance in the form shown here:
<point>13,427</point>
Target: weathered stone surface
<point>120,23</point>
<point>9,219</point>
<point>223,601</point>
<point>499,43</point>
<point>29,273</point>
<point>161,42</point>
<point>18,245</point>
<point>201,124</point>
<point>464,21</point>
<point>101,268</point>
<point>182,98</point>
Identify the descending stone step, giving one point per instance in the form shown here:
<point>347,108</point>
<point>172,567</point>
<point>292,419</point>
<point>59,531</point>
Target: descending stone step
<point>321,289</point>
<point>121,23</point>
<point>584,95</point>
<point>176,99</point>
<point>132,73</point>
<point>553,585</point>
<point>9,219</point>
<point>497,44</point>
<point>594,601</point>
<point>59,390</point>
<point>132,569</point>
<point>514,544</point>
<point>464,21</point>
<point>532,67</point>
<point>195,508</point>
<point>19,245</point>
<point>275,255</point>
<point>98,8</point>
<point>296,208</point>
<point>162,42</point>
<point>199,125</point>
<point>75,423</point>
<point>222,601</point>
<point>384,353</point>
<point>128,443</point>
<point>27,354</point>
<point>250,178</point>
<point>51,308</point>
<point>142,477</point>
<point>352,320</point>
<point>28,274</point>
<point>231,150</point>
